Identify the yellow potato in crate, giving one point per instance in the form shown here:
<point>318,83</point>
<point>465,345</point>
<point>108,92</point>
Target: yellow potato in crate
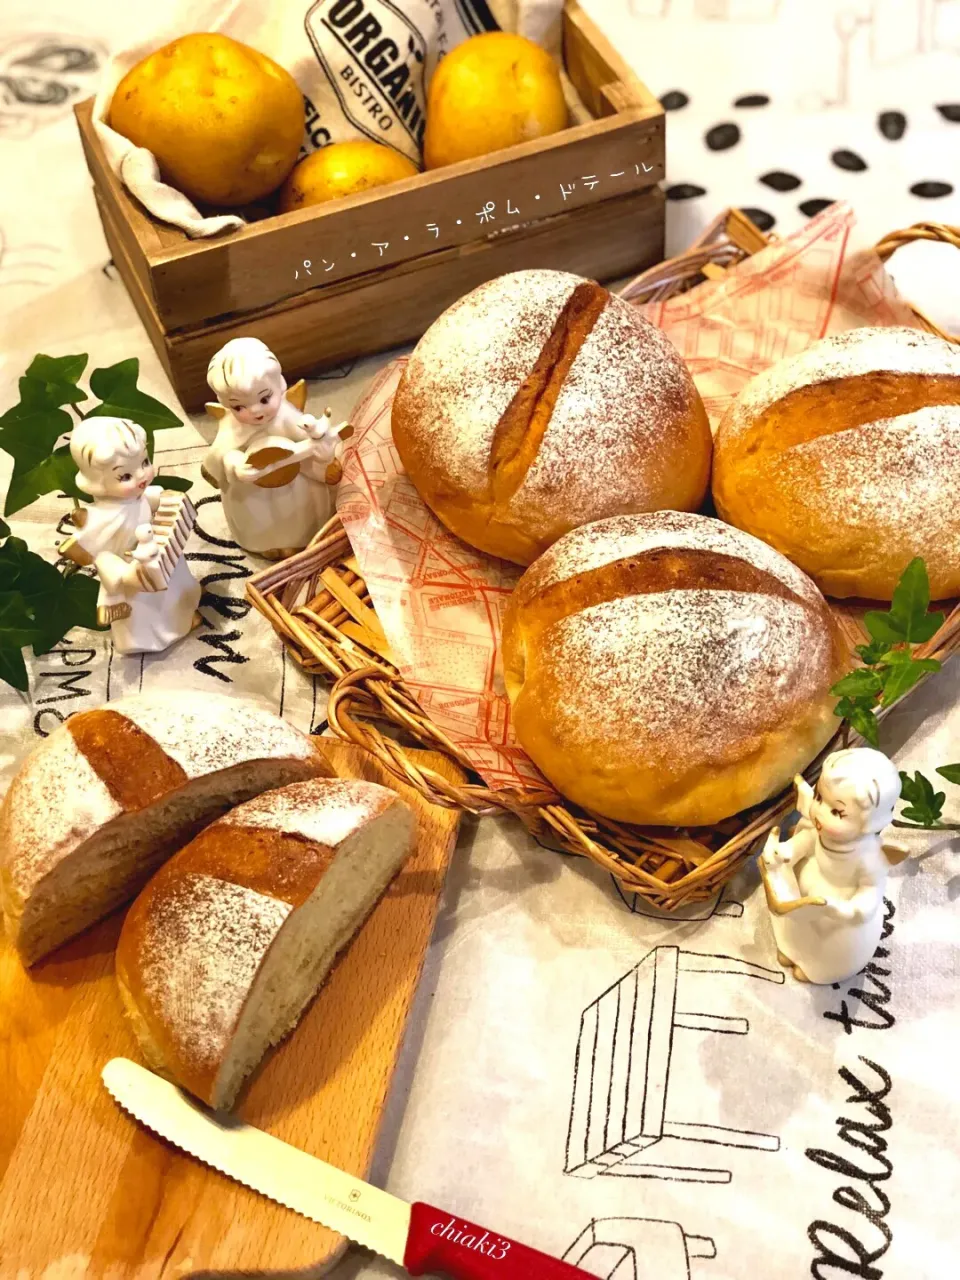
<point>491,92</point>
<point>343,169</point>
<point>224,121</point>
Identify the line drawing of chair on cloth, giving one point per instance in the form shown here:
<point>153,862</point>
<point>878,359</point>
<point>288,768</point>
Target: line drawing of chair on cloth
<point>622,1070</point>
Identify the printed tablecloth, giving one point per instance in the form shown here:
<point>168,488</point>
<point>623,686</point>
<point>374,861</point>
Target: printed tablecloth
<point>648,1096</point>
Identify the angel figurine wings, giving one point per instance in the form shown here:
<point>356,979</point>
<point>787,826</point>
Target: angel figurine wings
<point>134,535</point>
<point>273,464</point>
<point>825,885</point>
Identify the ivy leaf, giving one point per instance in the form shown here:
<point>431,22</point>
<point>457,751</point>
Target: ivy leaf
<point>174,482</point>
<point>80,594</point>
<point>950,771</point>
<point>16,632</point>
<point>924,805</point>
<point>56,472</point>
<point>60,374</point>
<point>12,555</point>
<point>13,669</point>
<point>861,683</point>
<point>28,432</point>
<point>903,673</point>
<point>16,621</point>
<point>38,606</point>
<point>117,388</point>
<point>911,599</point>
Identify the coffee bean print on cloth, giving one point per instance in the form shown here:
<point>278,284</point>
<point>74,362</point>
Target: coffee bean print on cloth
<point>752,100</point>
<point>950,111</point>
<point>849,160</point>
<point>759,217</point>
<point>892,124</point>
<point>722,136</point>
<point>674,100</point>
<point>810,207</point>
<point>780,180</point>
<point>684,191</point>
<point>932,190</point>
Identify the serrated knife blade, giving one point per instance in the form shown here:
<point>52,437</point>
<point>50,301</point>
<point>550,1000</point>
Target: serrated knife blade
<point>417,1236</point>
<point>304,1183</point>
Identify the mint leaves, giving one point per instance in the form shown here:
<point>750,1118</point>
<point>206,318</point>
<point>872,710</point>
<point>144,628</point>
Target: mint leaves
<point>38,603</point>
<point>38,606</point>
<point>924,806</point>
<point>32,431</point>
<point>890,669</point>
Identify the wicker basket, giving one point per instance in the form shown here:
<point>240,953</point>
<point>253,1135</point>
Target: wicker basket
<point>319,605</point>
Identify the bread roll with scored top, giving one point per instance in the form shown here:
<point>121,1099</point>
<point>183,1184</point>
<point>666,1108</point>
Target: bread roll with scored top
<point>540,402</point>
<point>101,802</point>
<point>846,458</point>
<point>228,943</point>
<point>668,669</point>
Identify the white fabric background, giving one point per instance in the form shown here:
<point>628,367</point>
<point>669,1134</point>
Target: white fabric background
<point>527,940</point>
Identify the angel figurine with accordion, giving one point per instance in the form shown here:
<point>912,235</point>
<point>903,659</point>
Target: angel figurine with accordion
<point>134,536</point>
<point>274,464</point>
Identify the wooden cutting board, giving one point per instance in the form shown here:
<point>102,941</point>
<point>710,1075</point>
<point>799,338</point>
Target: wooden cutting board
<point>85,1192</point>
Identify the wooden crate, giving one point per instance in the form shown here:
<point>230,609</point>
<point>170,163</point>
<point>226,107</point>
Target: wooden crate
<point>384,264</point>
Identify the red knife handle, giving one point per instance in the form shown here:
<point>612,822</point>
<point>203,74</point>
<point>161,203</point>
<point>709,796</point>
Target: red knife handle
<point>440,1243</point>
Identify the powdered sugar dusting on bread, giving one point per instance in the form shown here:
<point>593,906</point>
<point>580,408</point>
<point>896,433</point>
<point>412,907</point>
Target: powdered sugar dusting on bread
<point>55,802</point>
<point>903,472</point>
<point>617,430</point>
<point>471,362</point>
<point>205,732</point>
<point>324,810</point>
<point>690,674</point>
<point>203,941</point>
<point>891,349</point>
<point>607,541</point>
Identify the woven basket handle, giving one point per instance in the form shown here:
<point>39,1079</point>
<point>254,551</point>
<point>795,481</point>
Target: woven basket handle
<point>921,231</point>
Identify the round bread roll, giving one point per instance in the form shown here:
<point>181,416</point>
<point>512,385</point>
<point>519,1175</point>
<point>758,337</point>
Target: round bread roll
<point>846,458</point>
<point>540,402</point>
<point>667,669</point>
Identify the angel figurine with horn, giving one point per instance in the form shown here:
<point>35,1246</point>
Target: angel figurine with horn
<point>273,464</point>
<point>825,885</point>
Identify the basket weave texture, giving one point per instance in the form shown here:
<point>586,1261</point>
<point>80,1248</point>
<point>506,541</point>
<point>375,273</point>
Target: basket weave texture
<point>318,603</point>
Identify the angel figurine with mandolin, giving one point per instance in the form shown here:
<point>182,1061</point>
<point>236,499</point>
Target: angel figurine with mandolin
<point>274,464</point>
<point>825,885</point>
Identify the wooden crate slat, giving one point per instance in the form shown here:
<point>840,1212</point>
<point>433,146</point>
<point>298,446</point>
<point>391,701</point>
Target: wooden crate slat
<point>385,310</point>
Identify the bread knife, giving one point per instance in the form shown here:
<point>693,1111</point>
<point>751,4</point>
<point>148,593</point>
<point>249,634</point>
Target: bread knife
<point>418,1236</point>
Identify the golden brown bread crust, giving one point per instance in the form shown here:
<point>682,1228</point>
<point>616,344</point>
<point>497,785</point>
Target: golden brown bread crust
<point>83,780</point>
<point>540,402</point>
<point>846,458</point>
<point>667,670</point>
<point>111,743</point>
<point>251,873</point>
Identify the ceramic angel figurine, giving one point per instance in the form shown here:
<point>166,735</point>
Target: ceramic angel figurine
<point>273,464</point>
<point>825,885</point>
<point>133,535</point>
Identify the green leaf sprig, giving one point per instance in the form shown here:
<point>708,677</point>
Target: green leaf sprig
<point>38,605</point>
<point>889,667</point>
<point>924,807</point>
<point>33,431</point>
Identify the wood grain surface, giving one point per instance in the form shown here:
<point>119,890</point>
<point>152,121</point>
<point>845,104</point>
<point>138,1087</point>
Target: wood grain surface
<point>84,1192</point>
